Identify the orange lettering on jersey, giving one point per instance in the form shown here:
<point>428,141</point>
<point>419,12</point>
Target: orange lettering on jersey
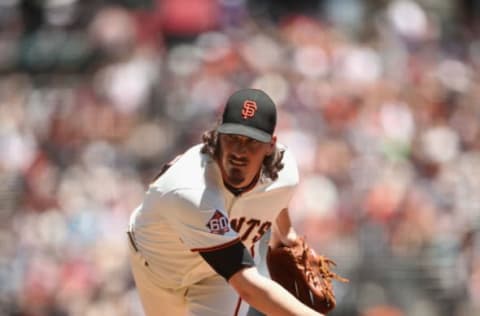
<point>249,109</point>
<point>254,228</point>
<point>261,231</point>
<point>237,224</point>
<point>218,223</point>
<point>252,223</point>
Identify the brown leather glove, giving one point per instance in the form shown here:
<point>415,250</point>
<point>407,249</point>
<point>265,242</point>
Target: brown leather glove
<point>305,274</point>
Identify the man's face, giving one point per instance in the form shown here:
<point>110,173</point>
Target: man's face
<point>241,157</point>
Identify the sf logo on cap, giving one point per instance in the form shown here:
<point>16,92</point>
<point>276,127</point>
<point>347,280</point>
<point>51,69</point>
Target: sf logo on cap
<point>249,109</point>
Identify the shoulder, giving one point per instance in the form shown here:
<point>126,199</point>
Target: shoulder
<point>289,175</point>
<point>192,177</point>
<point>193,155</point>
<point>185,171</point>
<point>288,157</point>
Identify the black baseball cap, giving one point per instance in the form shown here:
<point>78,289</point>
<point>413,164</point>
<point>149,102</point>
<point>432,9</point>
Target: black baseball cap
<point>251,113</point>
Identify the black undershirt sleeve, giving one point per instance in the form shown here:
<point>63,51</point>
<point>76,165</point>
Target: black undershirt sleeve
<point>228,261</point>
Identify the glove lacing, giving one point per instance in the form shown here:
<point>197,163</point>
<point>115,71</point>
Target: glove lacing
<point>318,269</point>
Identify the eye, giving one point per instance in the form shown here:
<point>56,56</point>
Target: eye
<point>253,143</point>
<point>230,138</point>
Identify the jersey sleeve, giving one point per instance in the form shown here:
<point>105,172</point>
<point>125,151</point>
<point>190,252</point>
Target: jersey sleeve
<point>229,260</point>
<point>200,220</point>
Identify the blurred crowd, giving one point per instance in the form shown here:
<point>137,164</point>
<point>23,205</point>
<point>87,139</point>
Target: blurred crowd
<point>379,101</point>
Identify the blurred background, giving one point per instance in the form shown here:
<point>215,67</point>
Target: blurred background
<point>379,101</point>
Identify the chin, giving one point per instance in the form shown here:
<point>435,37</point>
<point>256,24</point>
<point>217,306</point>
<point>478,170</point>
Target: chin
<point>236,182</point>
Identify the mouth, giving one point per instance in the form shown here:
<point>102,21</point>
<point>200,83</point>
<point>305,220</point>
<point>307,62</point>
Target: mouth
<point>237,162</point>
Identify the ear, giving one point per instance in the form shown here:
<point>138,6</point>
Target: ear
<point>272,144</point>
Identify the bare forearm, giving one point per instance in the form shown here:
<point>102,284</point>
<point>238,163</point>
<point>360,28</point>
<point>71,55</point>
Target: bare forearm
<point>275,300</point>
<point>283,232</point>
<point>267,296</point>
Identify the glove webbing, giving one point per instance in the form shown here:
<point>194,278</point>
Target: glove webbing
<point>321,266</point>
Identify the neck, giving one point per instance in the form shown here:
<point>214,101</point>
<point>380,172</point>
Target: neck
<point>238,191</point>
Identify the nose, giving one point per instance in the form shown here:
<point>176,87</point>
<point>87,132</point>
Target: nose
<point>239,148</point>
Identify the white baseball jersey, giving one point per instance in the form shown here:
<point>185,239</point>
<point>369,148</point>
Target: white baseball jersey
<point>188,209</point>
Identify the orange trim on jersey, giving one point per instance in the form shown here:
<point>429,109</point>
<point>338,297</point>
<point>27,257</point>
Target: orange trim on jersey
<point>237,308</point>
<point>218,247</point>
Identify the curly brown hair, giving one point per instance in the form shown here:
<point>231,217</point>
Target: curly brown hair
<point>272,164</point>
